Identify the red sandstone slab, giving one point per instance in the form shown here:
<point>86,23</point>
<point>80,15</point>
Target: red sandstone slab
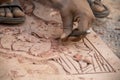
<point>58,62</point>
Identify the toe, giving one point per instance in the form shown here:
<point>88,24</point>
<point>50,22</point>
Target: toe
<point>8,12</point>
<point>17,12</point>
<point>2,12</point>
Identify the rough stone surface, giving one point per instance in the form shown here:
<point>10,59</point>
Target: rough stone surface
<point>40,48</point>
<point>28,38</point>
<point>22,46</point>
<point>7,41</point>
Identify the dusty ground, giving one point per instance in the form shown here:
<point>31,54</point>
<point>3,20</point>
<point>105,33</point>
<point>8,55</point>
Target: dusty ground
<point>109,28</point>
<point>31,51</point>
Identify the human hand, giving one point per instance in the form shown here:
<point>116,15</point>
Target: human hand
<point>76,11</point>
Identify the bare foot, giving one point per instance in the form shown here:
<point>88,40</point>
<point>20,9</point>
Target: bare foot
<point>15,12</point>
<point>98,6</point>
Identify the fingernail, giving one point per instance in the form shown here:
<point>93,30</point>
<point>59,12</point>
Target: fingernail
<point>88,31</point>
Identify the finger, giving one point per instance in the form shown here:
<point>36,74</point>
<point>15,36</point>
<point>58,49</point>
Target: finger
<point>83,26</point>
<point>67,24</point>
<point>8,12</point>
